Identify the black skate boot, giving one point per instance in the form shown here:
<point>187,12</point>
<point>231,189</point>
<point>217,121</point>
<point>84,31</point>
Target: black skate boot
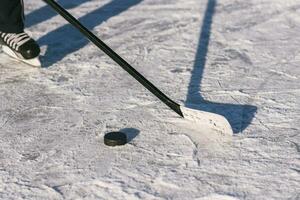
<point>21,47</point>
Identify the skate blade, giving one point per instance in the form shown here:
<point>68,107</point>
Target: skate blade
<point>35,62</point>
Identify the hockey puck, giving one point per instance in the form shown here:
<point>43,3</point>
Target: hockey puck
<point>115,138</point>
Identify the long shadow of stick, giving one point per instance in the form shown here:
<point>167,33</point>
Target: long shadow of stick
<point>239,116</point>
<point>66,40</point>
<point>44,13</point>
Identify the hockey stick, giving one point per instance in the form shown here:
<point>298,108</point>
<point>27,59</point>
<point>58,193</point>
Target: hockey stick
<point>113,55</point>
<point>218,121</point>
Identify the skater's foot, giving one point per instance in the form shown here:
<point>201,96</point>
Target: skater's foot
<point>20,46</point>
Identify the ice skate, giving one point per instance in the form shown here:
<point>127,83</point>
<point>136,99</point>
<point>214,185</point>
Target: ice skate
<point>21,46</point>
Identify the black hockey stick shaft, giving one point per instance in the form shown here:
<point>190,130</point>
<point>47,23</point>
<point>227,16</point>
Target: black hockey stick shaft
<point>113,55</point>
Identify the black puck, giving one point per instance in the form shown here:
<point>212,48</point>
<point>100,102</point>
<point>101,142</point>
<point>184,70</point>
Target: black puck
<point>115,138</point>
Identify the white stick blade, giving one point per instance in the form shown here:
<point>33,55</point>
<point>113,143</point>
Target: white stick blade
<point>208,121</point>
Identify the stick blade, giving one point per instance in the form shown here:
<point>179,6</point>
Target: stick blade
<point>207,120</point>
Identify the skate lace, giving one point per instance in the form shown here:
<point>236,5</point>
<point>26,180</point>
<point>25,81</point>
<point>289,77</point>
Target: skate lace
<point>15,40</point>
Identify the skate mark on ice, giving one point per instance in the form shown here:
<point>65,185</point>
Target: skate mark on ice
<point>239,116</point>
<point>217,197</point>
<point>67,40</point>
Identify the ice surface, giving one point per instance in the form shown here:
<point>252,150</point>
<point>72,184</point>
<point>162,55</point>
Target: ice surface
<point>239,59</point>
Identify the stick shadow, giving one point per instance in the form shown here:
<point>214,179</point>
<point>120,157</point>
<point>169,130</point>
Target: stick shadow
<point>239,116</point>
<point>66,39</point>
<point>45,13</point>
